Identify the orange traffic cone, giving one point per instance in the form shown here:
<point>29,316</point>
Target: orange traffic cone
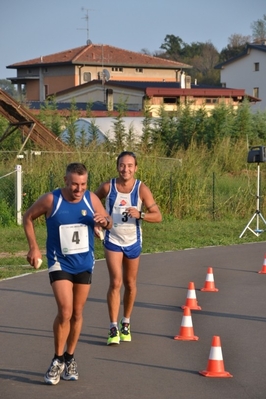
<point>263,270</point>
<point>191,301</point>
<point>215,367</point>
<point>186,332</point>
<point>209,285</point>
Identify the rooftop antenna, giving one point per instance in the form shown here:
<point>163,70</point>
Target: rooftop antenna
<point>87,23</point>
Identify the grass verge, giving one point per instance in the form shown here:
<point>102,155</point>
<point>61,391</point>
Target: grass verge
<point>170,235</point>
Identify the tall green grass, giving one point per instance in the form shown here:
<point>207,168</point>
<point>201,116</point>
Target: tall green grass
<point>198,184</point>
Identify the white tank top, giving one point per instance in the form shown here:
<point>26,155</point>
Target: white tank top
<point>126,231</point>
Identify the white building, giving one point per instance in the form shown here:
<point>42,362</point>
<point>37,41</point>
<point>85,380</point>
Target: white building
<point>248,71</point>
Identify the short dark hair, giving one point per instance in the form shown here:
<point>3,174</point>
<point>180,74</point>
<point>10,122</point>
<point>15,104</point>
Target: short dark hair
<point>76,167</point>
<point>123,153</point>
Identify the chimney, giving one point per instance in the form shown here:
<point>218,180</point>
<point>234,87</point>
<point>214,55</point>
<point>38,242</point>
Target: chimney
<point>188,82</point>
<point>182,80</point>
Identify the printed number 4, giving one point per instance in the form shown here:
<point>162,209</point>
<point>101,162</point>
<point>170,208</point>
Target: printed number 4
<point>75,237</point>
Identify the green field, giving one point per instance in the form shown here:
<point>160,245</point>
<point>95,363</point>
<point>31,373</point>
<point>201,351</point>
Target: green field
<point>170,235</point>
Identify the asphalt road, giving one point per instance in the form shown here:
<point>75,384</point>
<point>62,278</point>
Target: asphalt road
<point>153,365</point>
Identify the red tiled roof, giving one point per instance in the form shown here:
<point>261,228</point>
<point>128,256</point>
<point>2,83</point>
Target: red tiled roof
<point>95,54</point>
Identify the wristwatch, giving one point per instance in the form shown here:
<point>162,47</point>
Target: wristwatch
<point>107,221</point>
<point>142,215</point>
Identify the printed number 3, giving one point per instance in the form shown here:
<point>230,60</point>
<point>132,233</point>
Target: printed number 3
<point>125,217</point>
<point>75,237</point>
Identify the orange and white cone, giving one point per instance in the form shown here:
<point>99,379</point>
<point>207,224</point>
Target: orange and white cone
<point>209,285</point>
<point>215,367</point>
<point>191,301</point>
<point>263,270</point>
<point>186,332</point>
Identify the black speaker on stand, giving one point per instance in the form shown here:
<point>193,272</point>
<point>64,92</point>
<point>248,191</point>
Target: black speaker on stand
<point>256,155</point>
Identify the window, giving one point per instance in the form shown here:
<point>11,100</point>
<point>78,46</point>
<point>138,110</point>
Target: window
<point>256,66</point>
<point>169,100</point>
<point>211,100</point>
<point>256,92</point>
<point>117,69</point>
<point>139,70</point>
<point>29,71</point>
<point>87,76</point>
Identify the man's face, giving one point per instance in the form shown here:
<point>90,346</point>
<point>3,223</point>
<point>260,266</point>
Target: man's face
<point>127,167</point>
<point>76,185</point>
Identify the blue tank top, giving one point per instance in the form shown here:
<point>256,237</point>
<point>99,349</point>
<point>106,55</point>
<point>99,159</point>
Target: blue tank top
<point>70,235</point>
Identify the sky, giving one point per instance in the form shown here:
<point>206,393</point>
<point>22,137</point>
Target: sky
<point>34,28</point>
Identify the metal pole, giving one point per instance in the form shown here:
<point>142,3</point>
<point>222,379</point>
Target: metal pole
<point>18,191</point>
<point>258,198</point>
<point>213,195</point>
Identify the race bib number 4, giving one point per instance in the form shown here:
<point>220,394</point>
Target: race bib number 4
<point>74,238</point>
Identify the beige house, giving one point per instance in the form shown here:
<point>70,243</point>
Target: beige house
<point>170,95</point>
<point>109,75</point>
<point>53,73</point>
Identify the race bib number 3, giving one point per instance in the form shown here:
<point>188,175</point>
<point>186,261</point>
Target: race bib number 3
<point>74,238</point>
<point>120,216</point>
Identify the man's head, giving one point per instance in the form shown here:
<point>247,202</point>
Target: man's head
<point>76,180</point>
<point>126,165</point>
<point>123,153</point>
<point>76,167</point>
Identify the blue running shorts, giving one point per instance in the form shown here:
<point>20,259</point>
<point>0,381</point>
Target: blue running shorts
<point>131,251</point>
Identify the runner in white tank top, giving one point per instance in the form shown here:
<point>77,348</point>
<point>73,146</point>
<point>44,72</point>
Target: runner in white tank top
<point>126,198</point>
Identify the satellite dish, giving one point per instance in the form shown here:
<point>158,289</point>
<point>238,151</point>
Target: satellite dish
<point>106,75</point>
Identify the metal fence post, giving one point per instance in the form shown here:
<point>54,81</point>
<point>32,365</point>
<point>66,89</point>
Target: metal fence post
<point>18,191</point>
<point>213,195</point>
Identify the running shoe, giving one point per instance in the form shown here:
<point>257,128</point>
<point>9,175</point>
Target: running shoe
<point>71,371</point>
<point>124,332</point>
<point>52,376</point>
<point>113,336</point>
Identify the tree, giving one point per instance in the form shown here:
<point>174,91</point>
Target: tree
<point>49,115</point>
<point>93,131</point>
<point>185,127</point>
<point>259,30</point>
<point>119,127</point>
<point>145,51</point>
<point>242,124</point>
<point>164,132</point>
<point>237,40</point>
<point>8,87</point>
<point>71,125</point>
<point>236,45</point>
<point>220,124</point>
<point>146,128</point>
<point>204,57</point>
<point>173,46</point>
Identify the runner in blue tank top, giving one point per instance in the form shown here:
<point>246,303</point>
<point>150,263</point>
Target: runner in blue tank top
<point>126,197</point>
<point>73,214</point>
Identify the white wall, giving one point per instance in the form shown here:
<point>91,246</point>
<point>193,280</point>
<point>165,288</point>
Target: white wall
<point>241,74</point>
